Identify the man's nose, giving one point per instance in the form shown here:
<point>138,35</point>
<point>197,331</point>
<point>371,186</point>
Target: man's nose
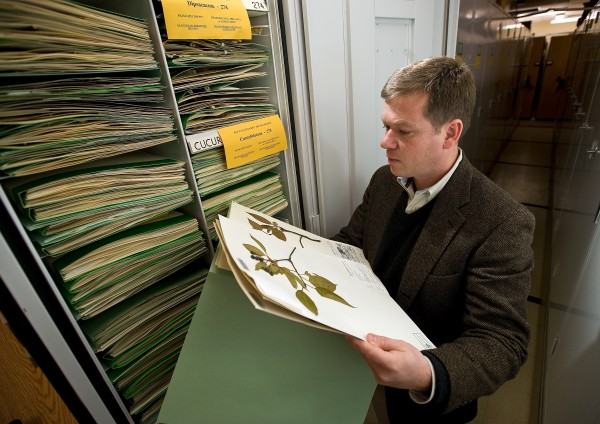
<point>387,141</point>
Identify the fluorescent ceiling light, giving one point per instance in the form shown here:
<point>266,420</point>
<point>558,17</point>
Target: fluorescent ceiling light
<point>560,19</point>
<point>543,16</point>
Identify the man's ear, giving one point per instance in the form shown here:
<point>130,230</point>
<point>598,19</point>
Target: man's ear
<point>452,131</point>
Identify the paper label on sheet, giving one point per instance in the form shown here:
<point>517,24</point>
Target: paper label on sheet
<point>206,19</point>
<point>250,141</point>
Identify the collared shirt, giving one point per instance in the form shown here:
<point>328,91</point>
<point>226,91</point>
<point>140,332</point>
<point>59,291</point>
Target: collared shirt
<point>418,199</point>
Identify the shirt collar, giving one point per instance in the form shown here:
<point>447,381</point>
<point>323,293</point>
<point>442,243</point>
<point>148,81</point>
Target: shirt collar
<point>407,184</point>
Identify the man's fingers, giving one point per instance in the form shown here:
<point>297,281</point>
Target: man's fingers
<point>376,341</point>
<point>386,343</point>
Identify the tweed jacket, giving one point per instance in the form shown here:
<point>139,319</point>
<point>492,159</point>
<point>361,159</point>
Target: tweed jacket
<point>467,279</point>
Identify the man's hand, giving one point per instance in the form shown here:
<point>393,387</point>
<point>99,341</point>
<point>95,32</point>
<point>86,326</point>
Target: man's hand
<point>395,363</point>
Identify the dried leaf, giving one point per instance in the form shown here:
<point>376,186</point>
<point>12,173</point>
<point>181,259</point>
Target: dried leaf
<point>258,226</point>
<point>259,243</point>
<point>318,281</point>
<point>331,295</point>
<point>292,278</point>
<point>279,234</point>
<point>307,302</point>
<point>259,218</point>
<point>253,249</point>
<point>274,269</point>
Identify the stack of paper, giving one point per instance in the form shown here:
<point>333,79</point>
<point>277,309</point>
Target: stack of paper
<point>143,326</point>
<point>103,274</point>
<point>46,127</point>
<point>130,89</point>
<point>203,73</point>
<point>60,36</point>
<point>213,78</point>
<point>292,273</point>
<point>206,76</point>
<point>209,101</point>
<point>68,210</point>
<point>223,106</point>
<point>263,193</point>
<point>230,114</point>
<point>214,52</point>
<point>213,175</point>
<point>58,118</point>
<point>193,101</point>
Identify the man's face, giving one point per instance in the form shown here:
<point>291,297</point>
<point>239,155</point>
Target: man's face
<point>412,146</point>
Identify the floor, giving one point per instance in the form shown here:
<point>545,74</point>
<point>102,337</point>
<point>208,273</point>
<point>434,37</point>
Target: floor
<point>524,170</point>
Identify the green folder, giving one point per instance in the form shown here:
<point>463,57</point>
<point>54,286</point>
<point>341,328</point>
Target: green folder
<point>241,365</point>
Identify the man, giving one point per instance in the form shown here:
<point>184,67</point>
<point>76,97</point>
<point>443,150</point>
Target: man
<point>451,247</point>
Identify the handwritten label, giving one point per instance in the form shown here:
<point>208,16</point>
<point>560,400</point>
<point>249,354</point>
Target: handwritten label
<point>203,141</point>
<point>206,19</point>
<point>250,141</point>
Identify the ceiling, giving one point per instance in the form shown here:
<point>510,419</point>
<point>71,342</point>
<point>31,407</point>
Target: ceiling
<point>547,10</point>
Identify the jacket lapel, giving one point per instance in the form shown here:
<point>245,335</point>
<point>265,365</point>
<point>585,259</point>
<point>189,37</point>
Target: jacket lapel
<point>444,221</point>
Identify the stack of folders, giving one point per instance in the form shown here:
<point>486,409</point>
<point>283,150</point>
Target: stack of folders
<point>222,107</point>
<point>51,115</point>
<point>213,175</point>
<point>62,122</point>
<point>120,249</point>
<point>62,35</point>
<point>252,185</point>
<point>210,81</point>
<point>103,274</point>
<point>262,192</point>
<point>81,90</point>
<point>140,339</point>
<point>205,74</point>
<point>68,210</point>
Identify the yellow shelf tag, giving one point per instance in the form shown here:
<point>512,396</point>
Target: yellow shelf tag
<point>250,141</point>
<point>206,19</point>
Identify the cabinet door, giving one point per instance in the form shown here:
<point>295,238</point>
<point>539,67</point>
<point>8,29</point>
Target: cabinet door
<point>573,345</point>
<point>553,77</point>
<point>531,76</point>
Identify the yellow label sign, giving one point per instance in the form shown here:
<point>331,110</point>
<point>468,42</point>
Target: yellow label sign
<point>250,141</point>
<point>206,19</point>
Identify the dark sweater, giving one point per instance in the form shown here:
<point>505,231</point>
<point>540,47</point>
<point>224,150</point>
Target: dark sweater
<point>401,234</point>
